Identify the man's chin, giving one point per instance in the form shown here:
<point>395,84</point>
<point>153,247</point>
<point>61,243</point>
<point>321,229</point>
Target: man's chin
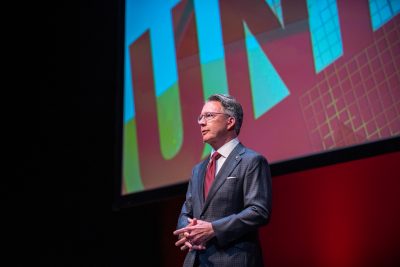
<point>206,139</point>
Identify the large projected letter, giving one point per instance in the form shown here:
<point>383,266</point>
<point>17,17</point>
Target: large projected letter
<point>242,23</point>
<point>155,170</point>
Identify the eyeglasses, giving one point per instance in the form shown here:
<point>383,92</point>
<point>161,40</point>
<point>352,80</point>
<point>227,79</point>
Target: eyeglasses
<point>209,116</point>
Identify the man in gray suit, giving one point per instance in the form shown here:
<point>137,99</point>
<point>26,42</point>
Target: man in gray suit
<point>219,226</point>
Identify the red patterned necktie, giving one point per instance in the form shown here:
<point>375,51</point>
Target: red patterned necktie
<point>210,174</point>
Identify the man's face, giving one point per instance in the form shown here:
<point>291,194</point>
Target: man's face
<point>215,129</point>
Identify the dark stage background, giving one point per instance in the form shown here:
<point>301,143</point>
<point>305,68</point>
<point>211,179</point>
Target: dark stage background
<point>342,214</point>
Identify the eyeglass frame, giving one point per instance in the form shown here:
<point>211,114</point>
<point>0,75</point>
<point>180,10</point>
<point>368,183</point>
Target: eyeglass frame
<point>211,115</point>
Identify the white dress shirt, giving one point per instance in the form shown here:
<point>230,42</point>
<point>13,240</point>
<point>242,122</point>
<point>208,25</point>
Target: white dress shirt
<point>224,150</point>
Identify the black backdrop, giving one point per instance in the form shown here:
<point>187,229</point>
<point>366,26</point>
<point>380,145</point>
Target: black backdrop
<point>107,238</point>
<point>35,126</point>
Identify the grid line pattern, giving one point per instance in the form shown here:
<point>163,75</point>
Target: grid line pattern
<point>359,100</point>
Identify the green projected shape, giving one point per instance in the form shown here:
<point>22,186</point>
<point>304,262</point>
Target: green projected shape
<point>170,122</point>
<point>131,168</point>
<point>214,78</point>
<point>214,82</point>
<point>267,87</point>
<point>206,151</point>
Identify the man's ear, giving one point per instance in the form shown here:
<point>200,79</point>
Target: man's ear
<point>231,123</point>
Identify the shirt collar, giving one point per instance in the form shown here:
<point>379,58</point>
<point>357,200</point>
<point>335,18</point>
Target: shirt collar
<point>227,148</point>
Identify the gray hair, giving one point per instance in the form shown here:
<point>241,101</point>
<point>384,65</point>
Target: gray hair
<point>231,106</point>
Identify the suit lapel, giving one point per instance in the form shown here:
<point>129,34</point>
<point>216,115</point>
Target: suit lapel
<point>200,181</point>
<point>229,165</point>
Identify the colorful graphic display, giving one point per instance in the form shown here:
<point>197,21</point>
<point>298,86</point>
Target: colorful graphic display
<point>312,75</point>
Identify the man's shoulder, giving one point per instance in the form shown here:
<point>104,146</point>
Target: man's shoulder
<point>252,154</point>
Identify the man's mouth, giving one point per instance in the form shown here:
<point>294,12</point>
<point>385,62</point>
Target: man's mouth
<point>203,132</point>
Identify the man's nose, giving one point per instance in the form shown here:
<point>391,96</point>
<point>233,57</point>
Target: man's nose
<point>202,121</point>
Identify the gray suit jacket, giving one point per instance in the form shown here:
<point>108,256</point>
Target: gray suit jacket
<point>239,201</point>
